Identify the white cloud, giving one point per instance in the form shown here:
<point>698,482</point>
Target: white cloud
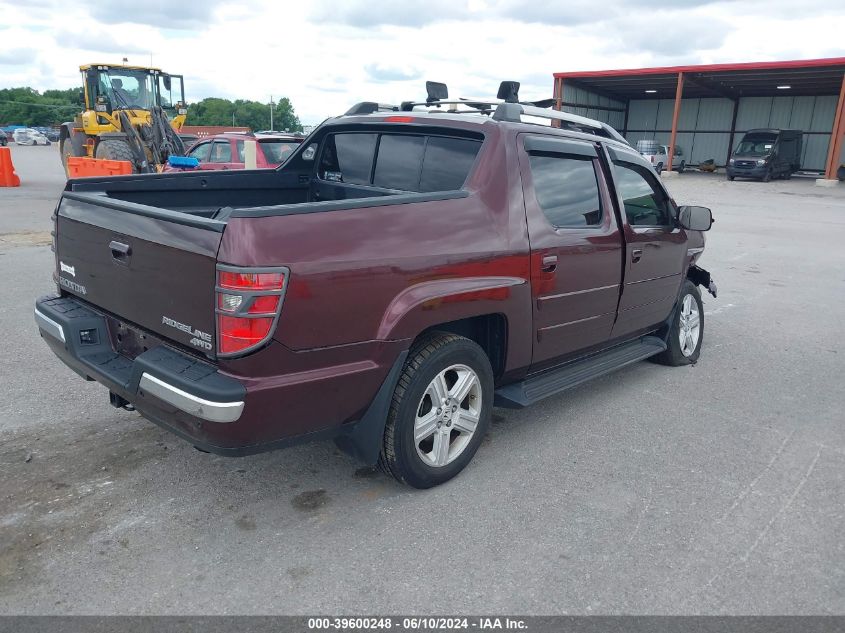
<point>326,55</point>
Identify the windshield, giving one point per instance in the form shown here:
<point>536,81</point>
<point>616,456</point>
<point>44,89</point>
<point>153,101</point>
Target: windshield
<point>277,150</point>
<point>127,88</point>
<point>755,146</point>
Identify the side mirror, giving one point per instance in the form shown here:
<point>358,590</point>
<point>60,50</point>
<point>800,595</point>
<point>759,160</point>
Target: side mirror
<point>695,218</point>
<point>166,81</point>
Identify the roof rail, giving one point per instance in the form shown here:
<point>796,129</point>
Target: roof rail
<point>515,111</point>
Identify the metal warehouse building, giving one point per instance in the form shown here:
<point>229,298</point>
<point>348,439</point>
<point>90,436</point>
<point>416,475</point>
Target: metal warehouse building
<point>706,109</point>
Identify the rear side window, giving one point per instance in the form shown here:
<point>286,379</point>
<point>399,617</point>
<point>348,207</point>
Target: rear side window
<point>566,189</point>
<point>404,162</point>
<point>348,158</point>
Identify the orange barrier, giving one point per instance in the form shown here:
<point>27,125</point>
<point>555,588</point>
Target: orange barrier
<point>8,177</point>
<point>83,167</point>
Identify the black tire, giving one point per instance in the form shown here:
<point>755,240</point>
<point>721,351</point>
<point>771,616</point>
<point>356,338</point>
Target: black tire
<point>659,168</point>
<point>674,355</point>
<point>428,357</point>
<point>767,177</point>
<point>682,167</point>
<point>731,178</point>
<point>114,149</point>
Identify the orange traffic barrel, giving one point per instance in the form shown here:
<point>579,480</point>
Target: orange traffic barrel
<point>8,177</point>
<point>83,167</point>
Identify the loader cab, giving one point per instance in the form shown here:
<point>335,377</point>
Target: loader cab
<point>110,88</point>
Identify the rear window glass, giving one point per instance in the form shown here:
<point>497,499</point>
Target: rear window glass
<point>276,151</point>
<point>447,163</point>
<point>399,162</point>
<point>405,162</point>
<point>348,158</point>
<point>566,189</point>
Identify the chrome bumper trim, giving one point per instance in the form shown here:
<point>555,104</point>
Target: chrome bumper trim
<point>221,412</point>
<point>50,326</point>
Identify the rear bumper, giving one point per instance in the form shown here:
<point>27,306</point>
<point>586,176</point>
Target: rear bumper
<point>239,410</point>
<point>161,375</point>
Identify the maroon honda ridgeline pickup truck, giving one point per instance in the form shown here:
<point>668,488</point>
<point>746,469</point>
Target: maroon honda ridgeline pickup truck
<point>400,275</point>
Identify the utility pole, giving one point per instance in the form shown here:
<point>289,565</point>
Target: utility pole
<point>271,113</point>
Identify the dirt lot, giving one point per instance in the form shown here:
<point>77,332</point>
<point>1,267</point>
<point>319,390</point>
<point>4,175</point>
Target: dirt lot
<point>718,488</point>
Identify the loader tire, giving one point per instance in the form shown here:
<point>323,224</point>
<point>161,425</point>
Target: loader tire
<point>115,150</point>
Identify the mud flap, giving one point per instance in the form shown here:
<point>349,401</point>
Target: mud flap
<point>363,439</point>
<point>701,277</point>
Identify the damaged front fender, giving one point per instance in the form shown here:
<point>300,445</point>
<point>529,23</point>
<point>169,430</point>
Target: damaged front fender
<point>701,277</point>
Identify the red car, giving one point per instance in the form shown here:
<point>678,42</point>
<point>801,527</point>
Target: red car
<point>226,151</point>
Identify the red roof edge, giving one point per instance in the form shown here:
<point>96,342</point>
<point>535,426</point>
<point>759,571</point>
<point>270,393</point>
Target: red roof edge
<point>669,70</point>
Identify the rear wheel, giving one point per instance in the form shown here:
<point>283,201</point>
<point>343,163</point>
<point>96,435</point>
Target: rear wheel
<point>686,335</point>
<point>113,149</point>
<point>440,411</point>
<point>682,167</point>
<point>659,168</point>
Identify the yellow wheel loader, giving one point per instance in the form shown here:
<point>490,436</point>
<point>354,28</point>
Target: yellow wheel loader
<point>132,113</point>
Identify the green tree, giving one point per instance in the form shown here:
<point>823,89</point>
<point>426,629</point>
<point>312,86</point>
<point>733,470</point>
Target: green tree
<point>26,106</point>
<point>251,114</point>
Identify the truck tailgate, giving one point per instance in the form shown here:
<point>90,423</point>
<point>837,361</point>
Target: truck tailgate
<point>149,266</point>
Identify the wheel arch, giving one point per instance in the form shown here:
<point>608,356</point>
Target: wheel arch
<point>483,309</point>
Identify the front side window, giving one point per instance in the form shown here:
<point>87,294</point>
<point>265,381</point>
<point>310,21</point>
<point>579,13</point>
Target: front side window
<point>566,189</point>
<point>201,152</point>
<point>644,200</point>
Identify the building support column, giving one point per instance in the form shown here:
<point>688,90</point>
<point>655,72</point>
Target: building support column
<point>733,132</point>
<point>558,95</point>
<point>679,93</point>
<point>836,136</point>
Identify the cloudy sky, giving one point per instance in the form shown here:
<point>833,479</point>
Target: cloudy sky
<point>327,55</point>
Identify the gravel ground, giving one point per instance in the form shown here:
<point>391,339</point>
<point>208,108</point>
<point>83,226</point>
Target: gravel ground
<point>718,488</point>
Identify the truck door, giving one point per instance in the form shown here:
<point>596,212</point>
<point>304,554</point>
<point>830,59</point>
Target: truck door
<point>576,247</point>
<point>656,248</point>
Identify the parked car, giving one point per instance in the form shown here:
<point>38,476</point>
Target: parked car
<point>766,154</point>
<point>399,275</point>
<point>4,140</point>
<point>29,136</point>
<point>226,151</point>
<point>658,155</point>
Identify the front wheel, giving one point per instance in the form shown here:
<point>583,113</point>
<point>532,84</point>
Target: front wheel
<point>686,335</point>
<point>440,411</point>
<point>682,167</point>
<point>659,168</point>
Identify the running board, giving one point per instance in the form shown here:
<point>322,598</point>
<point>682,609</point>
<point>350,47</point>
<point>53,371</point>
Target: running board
<point>553,381</point>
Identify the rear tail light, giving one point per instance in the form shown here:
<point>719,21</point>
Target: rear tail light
<point>247,303</point>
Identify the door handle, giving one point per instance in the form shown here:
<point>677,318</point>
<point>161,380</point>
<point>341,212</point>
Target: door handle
<point>119,250</point>
<point>636,254</point>
<point>549,263</point>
